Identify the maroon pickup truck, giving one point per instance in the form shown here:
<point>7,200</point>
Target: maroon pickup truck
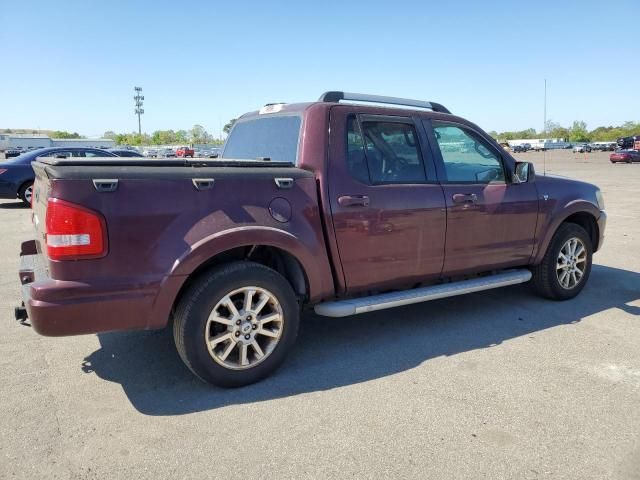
<point>336,205</point>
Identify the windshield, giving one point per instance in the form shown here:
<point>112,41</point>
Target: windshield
<point>273,137</point>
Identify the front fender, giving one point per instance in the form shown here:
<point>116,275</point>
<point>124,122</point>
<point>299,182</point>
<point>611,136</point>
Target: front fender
<point>550,222</point>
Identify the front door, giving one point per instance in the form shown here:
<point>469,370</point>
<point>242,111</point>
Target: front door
<point>491,222</point>
<point>388,209</point>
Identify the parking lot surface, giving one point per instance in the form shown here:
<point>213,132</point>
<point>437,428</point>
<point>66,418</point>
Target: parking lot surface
<point>500,384</point>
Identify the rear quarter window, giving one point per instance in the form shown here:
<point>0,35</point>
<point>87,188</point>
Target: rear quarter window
<point>275,137</point>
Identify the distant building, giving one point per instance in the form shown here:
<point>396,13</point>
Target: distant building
<point>26,141</point>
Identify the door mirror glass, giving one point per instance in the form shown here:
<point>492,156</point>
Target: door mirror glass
<point>524,172</point>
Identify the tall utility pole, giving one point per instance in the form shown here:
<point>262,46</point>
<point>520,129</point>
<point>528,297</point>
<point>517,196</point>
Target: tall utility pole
<point>139,110</point>
<point>544,128</point>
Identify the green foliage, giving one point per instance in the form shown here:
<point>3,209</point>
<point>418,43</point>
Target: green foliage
<point>64,134</point>
<point>229,125</point>
<point>181,136</point>
<point>578,132</point>
<point>197,135</point>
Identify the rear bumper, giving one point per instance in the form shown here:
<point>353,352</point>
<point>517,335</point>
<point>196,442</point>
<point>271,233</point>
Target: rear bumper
<point>60,308</point>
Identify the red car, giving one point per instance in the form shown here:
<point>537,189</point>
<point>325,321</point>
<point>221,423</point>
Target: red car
<point>185,152</point>
<point>626,156</point>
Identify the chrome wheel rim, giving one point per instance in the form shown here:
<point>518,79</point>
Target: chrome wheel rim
<point>28,193</point>
<point>572,263</point>
<point>244,328</point>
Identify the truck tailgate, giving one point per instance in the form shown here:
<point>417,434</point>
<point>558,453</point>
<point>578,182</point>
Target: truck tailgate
<point>41,193</point>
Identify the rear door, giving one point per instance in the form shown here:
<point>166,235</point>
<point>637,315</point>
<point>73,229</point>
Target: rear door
<point>387,208</point>
<point>490,221</point>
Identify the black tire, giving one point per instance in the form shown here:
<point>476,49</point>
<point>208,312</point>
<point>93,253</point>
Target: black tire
<point>545,278</point>
<point>197,303</point>
<point>23,193</point>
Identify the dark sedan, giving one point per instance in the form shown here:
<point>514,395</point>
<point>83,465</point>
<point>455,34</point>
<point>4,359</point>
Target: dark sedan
<point>16,174</point>
<point>123,152</point>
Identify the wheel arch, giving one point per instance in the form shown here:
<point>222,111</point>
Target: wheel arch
<point>274,248</point>
<point>583,214</point>
<point>589,222</point>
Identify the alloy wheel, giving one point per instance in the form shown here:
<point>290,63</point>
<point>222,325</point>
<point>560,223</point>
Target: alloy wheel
<point>244,328</point>
<point>571,263</point>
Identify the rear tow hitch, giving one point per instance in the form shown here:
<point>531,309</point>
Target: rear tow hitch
<point>21,315</point>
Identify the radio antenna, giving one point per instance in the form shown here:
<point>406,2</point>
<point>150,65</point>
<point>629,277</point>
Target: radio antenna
<point>544,131</point>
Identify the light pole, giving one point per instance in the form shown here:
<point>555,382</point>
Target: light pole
<point>139,110</point>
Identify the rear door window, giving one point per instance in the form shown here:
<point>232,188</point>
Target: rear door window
<point>392,152</point>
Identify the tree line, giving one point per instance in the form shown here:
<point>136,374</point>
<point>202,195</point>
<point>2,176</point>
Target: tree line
<point>577,132</point>
<point>196,135</point>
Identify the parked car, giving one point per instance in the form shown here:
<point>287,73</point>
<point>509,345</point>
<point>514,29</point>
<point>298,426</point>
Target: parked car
<point>125,152</point>
<point>519,149</point>
<point>367,213</point>
<point>12,152</point>
<point>185,152</point>
<point>166,153</point>
<point>625,156</point>
<point>582,148</point>
<point>209,153</point>
<point>16,175</point>
<point>150,152</point>
<point>629,143</point>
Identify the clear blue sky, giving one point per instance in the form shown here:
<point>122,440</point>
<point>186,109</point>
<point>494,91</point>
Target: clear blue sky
<point>73,65</point>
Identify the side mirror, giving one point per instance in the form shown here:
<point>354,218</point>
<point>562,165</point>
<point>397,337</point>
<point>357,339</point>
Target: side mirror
<point>524,173</point>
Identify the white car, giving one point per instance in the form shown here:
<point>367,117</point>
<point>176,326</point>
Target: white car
<point>150,153</point>
<point>582,148</point>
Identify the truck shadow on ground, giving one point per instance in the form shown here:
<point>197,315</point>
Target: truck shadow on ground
<point>14,205</point>
<point>333,353</point>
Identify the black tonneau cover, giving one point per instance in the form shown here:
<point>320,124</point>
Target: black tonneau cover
<point>141,168</point>
<point>158,162</point>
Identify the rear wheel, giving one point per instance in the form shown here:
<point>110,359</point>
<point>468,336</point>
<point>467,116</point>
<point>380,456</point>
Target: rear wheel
<point>26,192</point>
<point>566,266</point>
<point>236,324</point>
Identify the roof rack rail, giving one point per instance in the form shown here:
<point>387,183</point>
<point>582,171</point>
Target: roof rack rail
<point>362,97</point>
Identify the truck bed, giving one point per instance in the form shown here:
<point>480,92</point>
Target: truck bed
<point>161,226</point>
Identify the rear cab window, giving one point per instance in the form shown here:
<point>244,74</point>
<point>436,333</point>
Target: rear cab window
<point>275,137</point>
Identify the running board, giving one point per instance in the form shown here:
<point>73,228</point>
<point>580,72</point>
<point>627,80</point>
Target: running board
<point>354,306</point>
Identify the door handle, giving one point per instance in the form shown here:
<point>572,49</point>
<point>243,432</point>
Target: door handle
<point>465,198</point>
<point>353,201</point>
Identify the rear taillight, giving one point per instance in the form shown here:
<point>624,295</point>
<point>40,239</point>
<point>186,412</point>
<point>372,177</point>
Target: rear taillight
<point>2,170</point>
<point>74,232</point>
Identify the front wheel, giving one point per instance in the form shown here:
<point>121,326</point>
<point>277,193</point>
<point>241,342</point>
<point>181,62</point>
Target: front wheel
<point>566,266</point>
<point>236,324</point>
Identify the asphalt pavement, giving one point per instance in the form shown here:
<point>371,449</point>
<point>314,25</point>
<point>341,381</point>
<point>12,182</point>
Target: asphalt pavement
<point>500,384</point>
